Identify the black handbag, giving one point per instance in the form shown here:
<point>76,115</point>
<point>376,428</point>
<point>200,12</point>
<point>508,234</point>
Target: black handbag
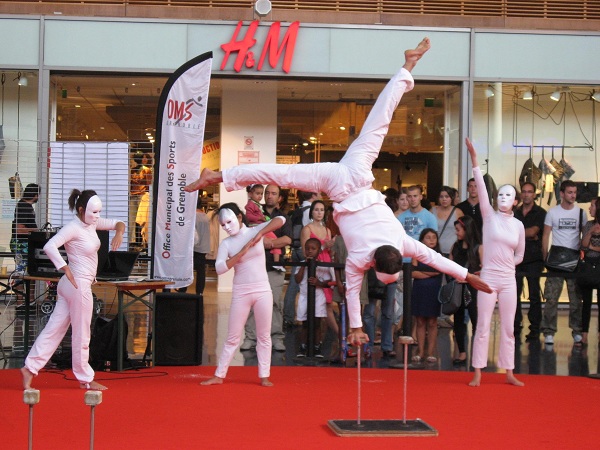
<point>562,259</point>
<point>588,272</point>
<point>450,296</point>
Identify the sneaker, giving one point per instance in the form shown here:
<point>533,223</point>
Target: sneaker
<point>318,353</point>
<point>247,345</point>
<point>302,352</point>
<point>279,347</point>
<point>549,339</point>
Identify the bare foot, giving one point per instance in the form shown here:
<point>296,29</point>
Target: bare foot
<point>93,386</point>
<point>207,177</point>
<point>476,381</point>
<point>213,380</point>
<point>27,377</point>
<point>412,56</point>
<point>265,382</point>
<point>510,379</point>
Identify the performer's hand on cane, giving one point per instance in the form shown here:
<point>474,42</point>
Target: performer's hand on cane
<point>357,337</point>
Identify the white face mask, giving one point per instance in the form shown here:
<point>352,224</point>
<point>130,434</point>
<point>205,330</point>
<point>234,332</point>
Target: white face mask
<point>387,278</point>
<point>92,210</point>
<point>506,198</point>
<point>229,222</point>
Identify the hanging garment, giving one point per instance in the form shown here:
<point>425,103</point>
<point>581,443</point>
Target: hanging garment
<point>530,173</point>
<point>569,171</point>
<point>586,192</point>
<point>15,186</point>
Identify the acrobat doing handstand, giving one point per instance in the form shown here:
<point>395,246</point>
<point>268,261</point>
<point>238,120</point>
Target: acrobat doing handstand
<point>373,235</point>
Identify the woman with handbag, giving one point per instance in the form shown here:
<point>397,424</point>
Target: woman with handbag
<point>466,251</point>
<point>446,214</point>
<point>504,239</point>
<point>589,268</point>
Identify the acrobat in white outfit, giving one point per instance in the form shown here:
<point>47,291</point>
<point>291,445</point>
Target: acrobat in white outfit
<point>504,247</point>
<point>75,302</point>
<point>251,288</point>
<point>372,233</point>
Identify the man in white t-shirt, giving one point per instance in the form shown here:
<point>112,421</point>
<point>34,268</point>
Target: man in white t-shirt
<point>565,222</point>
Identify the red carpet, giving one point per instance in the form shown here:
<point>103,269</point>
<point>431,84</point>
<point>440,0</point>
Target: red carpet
<point>166,408</point>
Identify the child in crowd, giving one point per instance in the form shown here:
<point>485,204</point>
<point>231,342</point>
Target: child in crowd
<point>424,302</point>
<point>256,216</point>
<point>324,275</point>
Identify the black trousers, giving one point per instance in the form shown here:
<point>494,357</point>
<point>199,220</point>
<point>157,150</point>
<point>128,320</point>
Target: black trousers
<point>531,271</point>
<point>460,327</point>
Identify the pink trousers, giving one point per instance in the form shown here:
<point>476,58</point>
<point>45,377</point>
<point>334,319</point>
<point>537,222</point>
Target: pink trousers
<point>504,289</point>
<point>73,307</point>
<point>245,297</point>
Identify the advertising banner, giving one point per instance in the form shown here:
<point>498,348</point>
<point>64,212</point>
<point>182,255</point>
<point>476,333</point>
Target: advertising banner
<point>179,134</point>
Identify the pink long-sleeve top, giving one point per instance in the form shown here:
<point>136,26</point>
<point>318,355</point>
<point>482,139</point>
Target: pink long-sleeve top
<point>81,243</point>
<point>503,235</point>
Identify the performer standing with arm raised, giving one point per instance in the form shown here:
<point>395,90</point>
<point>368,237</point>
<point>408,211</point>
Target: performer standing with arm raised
<point>75,302</point>
<point>373,235</point>
<point>251,287</point>
<point>504,247</point>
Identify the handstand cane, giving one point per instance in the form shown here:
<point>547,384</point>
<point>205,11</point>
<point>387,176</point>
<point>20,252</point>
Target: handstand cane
<point>31,397</point>
<point>92,398</point>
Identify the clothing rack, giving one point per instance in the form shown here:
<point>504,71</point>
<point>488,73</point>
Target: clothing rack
<point>556,147</point>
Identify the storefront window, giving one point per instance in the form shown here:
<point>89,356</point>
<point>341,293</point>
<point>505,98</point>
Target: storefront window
<point>552,126</point>
<point>19,147</point>
<point>318,120</point>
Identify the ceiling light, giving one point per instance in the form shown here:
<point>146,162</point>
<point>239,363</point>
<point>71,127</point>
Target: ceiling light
<point>555,96</point>
<point>489,92</point>
<point>527,95</point>
<point>596,96</point>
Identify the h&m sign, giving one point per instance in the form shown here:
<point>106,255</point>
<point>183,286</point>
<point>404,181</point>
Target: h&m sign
<point>273,46</point>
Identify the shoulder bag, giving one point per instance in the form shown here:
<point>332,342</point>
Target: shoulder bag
<point>450,296</point>
<point>564,259</point>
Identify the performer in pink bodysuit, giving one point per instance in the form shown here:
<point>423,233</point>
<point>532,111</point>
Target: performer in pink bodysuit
<point>373,235</point>
<point>251,288</point>
<point>503,249</point>
<point>75,301</point>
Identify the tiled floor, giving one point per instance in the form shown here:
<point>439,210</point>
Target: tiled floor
<point>531,357</point>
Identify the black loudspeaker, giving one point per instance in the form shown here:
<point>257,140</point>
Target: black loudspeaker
<point>178,329</point>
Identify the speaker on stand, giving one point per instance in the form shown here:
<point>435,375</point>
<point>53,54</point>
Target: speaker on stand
<point>178,329</point>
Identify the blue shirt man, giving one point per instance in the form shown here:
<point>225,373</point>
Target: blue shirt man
<point>416,218</point>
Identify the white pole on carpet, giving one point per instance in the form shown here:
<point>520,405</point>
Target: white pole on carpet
<point>31,397</point>
<point>92,399</point>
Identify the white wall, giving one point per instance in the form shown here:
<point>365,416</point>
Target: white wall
<point>249,108</point>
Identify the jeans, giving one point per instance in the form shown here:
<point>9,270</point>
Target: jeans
<point>387,318</point>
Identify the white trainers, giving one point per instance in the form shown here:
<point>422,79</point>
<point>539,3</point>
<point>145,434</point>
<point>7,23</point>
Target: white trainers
<point>549,339</point>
